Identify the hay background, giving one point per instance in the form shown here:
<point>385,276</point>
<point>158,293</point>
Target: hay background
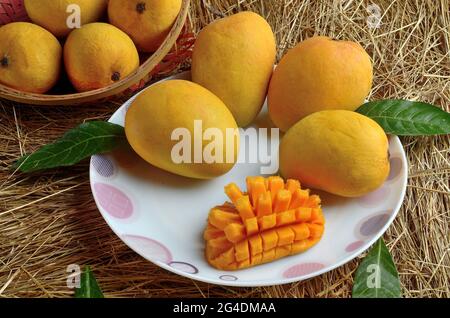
<point>49,220</point>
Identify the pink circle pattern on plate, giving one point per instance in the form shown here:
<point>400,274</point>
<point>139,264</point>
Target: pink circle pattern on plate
<point>396,168</point>
<point>228,278</point>
<point>149,248</point>
<point>374,224</point>
<point>184,267</point>
<point>113,201</point>
<point>354,246</point>
<point>103,166</point>
<point>302,269</point>
<point>375,197</point>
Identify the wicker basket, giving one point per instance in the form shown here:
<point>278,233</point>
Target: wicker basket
<point>173,51</point>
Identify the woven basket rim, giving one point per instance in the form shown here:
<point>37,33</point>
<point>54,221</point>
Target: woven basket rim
<point>113,89</point>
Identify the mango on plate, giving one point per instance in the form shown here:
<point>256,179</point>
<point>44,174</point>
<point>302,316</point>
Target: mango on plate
<point>318,74</point>
<point>168,125</point>
<point>234,58</point>
<point>241,241</point>
<point>338,151</point>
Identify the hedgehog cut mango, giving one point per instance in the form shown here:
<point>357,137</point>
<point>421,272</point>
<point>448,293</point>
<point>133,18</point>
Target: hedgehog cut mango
<point>273,219</point>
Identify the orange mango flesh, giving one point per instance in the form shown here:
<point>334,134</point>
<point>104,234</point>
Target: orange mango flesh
<point>273,219</point>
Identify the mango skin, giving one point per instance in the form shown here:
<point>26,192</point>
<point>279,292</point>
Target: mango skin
<point>166,106</point>
<point>52,14</point>
<point>234,58</point>
<point>318,74</point>
<point>32,57</point>
<point>338,151</point>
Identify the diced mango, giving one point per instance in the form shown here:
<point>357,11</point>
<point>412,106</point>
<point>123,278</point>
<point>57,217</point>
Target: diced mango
<point>286,217</point>
<point>268,256</point>
<point>315,230</point>
<point>235,232</point>
<point>256,259</point>
<point>303,214</point>
<point>242,253</point>
<point>257,188</point>
<point>301,231</point>
<point>226,257</point>
<point>282,251</point>
<point>244,264</point>
<point>221,219</point>
<point>269,239</point>
<point>233,192</point>
<point>299,198</point>
<point>244,207</point>
<point>313,201</point>
<point>212,232</point>
<point>276,183</point>
<point>221,243</point>
<point>255,244</point>
<point>282,201</point>
<point>251,226</point>
<point>317,216</point>
<point>264,204</point>
<point>269,221</point>
<point>301,246</point>
<point>292,185</point>
<point>285,235</point>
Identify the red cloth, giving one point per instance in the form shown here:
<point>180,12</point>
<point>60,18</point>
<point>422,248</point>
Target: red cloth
<point>12,11</point>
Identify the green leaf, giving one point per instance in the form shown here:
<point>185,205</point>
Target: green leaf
<point>376,276</point>
<point>88,286</point>
<point>407,118</point>
<point>77,144</point>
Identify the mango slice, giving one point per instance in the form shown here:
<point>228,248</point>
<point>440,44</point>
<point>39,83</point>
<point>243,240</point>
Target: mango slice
<point>273,219</point>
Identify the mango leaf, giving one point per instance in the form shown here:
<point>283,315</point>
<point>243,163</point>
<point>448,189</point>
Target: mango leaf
<point>407,118</point>
<point>376,276</point>
<point>88,286</point>
<point>77,144</point>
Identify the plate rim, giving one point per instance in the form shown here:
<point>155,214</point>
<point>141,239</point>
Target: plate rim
<point>262,283</point>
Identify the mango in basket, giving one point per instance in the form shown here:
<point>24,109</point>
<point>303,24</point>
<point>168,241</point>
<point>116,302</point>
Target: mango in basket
<point>183,128</point>
<point>338,151</point>
<point>234,58</point>
<point>97,55</point>
<point>318,74</point>
<point>54,14</point>
<point>273,219</point>
<point>147,22</point>
<point>30,57</point>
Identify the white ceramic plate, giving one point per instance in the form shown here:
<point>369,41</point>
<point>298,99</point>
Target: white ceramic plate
<point>162,216</point>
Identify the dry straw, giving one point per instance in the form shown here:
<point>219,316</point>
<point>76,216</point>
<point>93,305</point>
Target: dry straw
<point>49,220</point>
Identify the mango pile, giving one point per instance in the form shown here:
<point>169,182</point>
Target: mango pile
<point>273,219</point>
<point>96,42</point>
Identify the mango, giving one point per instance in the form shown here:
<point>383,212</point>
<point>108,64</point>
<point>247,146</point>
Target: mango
<point>234,58</point>
<point>243,235</point>
<point>30,57</point>
<point>338,151</point>
<point>183,128</point>
<point>147,22</point>
<point>318,74</point>
<point>54,15</point>
<point>98,55</point>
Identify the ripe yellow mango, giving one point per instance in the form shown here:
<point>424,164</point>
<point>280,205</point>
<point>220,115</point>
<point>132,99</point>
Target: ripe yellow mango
<point>338,151</point>
<point>56,15</point>
<point>318,74</point>
<point>30,57</point>
<point>183,128</point>
<point>234,58</point>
